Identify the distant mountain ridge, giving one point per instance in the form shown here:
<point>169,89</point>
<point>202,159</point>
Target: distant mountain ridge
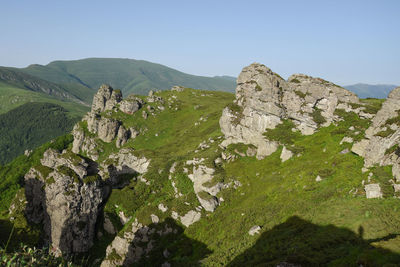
<point>129,75</point>
<point>371,90</point>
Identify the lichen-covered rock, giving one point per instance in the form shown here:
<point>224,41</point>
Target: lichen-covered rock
<point>68,205</point>
<point>263,99</point>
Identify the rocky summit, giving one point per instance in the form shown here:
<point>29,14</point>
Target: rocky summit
<point>296,172</point>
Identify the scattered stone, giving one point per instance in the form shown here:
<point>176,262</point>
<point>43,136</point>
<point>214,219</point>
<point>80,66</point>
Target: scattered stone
<point>255,230</point>
<point>162,207</point>
<point>345,151</point>
<point>286,154</point>
<point>318,179</point>
<point>154,218</point>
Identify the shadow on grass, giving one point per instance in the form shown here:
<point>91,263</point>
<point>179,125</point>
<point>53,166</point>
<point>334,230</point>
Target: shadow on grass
<point>298,242</point>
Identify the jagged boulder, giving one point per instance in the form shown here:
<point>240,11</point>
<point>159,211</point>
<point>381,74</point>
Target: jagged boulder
<point>131,104</point>
<point>108,129</point>
<point>122,136</point>
<point>264,99</point>
<point>206,195</point>
<point>66,199</point>
<point>123,162</point>
<point>105,99</point>
<point>84,143</point>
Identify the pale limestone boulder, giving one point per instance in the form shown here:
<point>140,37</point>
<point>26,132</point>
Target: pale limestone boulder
<point>373,191</point>
<point>286,154</point>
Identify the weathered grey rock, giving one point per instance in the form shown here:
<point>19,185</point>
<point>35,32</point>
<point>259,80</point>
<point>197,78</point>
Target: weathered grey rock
<point>200,176</point>
<point>286,154</point>
<point>255,230</point>
<point>375,145</point>
<point>83,143</point>
<point>122,136</point>
<point>131,104</point>
<point>154,218</point>
<point>373,191</point>
<point>190,218</point>
<point>108,129</point>
<point>53,159</point>
<point>123,162</point>
<point>144,114</point>
<point>105,99</point>
<point>263,99</point>
<point>67,206</point>
<point>162,207</point>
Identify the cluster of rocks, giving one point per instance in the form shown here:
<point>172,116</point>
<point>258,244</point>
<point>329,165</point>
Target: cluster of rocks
<point>136,242</point>
<point>264,99</point>
<point>101,125</point>
<point>66,195</point>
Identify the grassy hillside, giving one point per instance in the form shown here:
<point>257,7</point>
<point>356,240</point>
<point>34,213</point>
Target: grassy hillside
<point>12,97</point>
<point>325,223</point>
<point>31,125</point>
<point>129,75</point>
<point>16,78</point>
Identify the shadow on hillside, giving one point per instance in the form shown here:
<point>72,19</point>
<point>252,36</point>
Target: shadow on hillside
<point>298,242</point>
<point>171,245</point>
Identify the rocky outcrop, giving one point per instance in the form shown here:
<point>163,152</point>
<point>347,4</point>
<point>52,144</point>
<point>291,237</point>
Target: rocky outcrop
<point>66,195</point>
<point>105,99</point>
<point>100,123</point>
<point>264,99</point>
<point>85,143</point>
<point>380,145</point>
<point>123,162</point>
<point>137,241</point>
<point>131,104</point>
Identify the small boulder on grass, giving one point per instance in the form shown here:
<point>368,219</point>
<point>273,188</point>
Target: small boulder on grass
<point>255,230</point>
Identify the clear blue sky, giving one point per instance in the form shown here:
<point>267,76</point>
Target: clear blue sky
<point>342,41</point>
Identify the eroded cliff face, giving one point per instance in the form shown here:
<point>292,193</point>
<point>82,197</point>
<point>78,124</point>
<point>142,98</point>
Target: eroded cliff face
<point>66,194</point>
<point>264,99</point>
<point>381,143</point>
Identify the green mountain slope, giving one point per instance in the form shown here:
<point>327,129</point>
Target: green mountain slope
<point>325,223</point>
<point>129,75</point>
<point>12,97</point>
<point>31,125</point>
<point>372,91</point>
<point>15,78</point>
